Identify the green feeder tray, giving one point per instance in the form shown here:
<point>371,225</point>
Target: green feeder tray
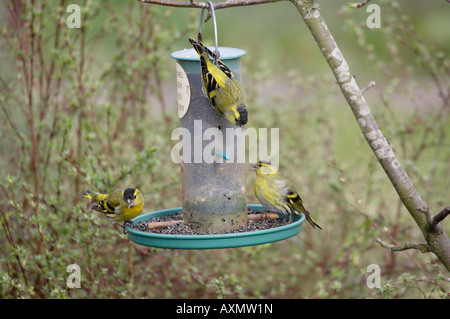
<point>215,241</point>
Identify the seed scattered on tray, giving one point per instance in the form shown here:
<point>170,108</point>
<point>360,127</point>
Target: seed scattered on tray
<point>183,229</point>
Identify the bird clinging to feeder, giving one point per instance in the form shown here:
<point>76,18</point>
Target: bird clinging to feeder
<point>221,86</point>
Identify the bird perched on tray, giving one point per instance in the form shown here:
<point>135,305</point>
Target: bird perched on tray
<point>277,194</point>
<point>121,205</point>
<point>221,86</point>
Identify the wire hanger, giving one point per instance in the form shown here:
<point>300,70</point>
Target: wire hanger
<point>216,41</point>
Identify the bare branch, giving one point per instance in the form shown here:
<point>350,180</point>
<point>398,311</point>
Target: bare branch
<point>170,3</point>
<point>219,5</point>
<point>358,4</point>
<point>424,248</point>
<point>368,86</point>
<point>436,219</point>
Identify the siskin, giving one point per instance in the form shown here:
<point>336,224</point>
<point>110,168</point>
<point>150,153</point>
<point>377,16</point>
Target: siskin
<point>221,87</point>
<point>277,194</point>
<point>121,205</point>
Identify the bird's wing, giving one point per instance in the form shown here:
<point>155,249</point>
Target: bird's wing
<point>294,199</point>
<point>94,196</point>
<point>113,200</point>
<point>214,76</point>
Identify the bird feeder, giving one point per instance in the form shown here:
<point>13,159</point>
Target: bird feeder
<point>213,175</point>
<point>212,179</point>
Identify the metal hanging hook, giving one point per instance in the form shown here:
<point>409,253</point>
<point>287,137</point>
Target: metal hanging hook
<point>216,41</point>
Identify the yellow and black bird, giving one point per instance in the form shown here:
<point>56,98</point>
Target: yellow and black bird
<point>121,205</point>
<point>277,194</point>
<point>221,86</point>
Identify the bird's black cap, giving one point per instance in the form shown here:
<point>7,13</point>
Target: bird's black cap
<point>243,115</point>
<point>129,193</point>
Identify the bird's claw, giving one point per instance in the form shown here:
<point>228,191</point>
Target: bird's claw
<point>128,223</point>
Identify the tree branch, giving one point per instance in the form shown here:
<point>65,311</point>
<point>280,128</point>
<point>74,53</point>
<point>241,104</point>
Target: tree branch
<point>437,239</point>
<point>436,219</point>
<point>358,4</point>
<point>219,5</point>
<point>424,248</point>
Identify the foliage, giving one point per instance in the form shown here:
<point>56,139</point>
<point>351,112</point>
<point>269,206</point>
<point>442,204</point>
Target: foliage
<point>94,108</point>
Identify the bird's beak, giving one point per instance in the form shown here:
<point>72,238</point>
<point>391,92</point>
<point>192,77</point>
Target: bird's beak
<point>253,167</point>
<point>129,203</point>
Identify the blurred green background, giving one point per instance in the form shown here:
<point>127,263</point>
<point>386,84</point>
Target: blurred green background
<point>95,107</point>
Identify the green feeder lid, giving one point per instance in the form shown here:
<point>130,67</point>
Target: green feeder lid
<point>214,241</point>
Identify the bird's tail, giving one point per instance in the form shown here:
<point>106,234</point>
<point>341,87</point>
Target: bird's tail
<point>94,196</point>
<point>87,194</point>
<point>299,207</point>
<point>311,220</point>
<point>201,49</point>
<point>198,45</point>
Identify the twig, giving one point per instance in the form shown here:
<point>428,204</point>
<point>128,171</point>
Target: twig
<point>219,5</point>
<point>263,216</point>
<point>10,239</point>
<point>424,248</point>
<point>368,86</point>
<point>436,219</point>
<point>358,4</point>
<point>159,225</point>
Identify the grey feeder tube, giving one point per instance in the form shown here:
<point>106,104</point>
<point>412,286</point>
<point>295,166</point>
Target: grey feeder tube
<point>213,174</point>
